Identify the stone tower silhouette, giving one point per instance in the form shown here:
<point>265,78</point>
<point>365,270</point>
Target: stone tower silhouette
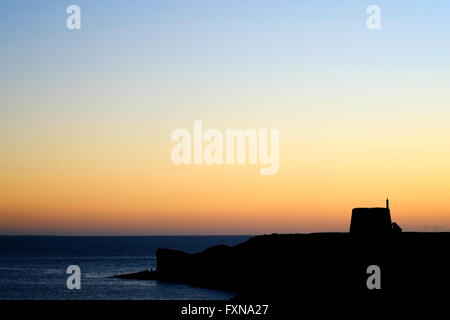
<point>373,221</point>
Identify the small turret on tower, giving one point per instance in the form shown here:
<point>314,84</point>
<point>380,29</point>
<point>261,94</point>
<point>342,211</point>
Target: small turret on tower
<point>387,203</point>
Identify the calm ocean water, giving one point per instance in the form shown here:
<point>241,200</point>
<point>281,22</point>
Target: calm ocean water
<point>34,267</point>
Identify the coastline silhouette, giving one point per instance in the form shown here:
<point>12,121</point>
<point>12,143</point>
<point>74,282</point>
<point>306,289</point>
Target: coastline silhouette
<point>288,266</point>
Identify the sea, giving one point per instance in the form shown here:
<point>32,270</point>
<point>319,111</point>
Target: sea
<point>34,267</point>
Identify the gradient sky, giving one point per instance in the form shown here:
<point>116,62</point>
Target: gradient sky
<point>86,116</point>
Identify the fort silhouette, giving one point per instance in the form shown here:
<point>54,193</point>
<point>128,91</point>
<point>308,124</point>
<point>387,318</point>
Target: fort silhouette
<point>373,220</point>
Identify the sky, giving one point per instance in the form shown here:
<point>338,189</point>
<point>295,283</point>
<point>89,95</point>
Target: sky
<point>86,115</point>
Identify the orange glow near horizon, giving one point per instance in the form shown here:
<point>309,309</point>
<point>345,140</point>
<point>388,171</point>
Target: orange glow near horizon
<point>136,192</point>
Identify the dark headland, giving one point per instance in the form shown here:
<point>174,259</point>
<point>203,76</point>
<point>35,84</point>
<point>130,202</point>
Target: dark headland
<point>288,266</point>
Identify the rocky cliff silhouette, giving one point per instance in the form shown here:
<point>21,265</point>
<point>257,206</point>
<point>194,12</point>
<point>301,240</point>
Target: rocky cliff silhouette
<point>289,266</point>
